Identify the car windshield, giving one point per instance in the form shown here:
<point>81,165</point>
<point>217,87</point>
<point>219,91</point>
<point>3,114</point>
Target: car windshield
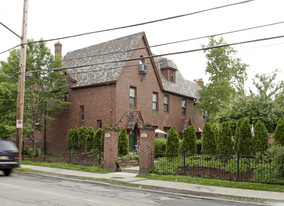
<point>7,146</point>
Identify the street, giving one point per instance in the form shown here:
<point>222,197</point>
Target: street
<point>21,189</point>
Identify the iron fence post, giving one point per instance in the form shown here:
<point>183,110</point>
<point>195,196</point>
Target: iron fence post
<point>184,162</point>
<point>238,165</point>
<point>100,152</point>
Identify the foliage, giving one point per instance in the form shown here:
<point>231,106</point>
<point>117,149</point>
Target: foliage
<point>227,76</point>
<point>199,146</point>
<point>189,140</point>
<point>160,146</point>
<point>215,128</point>
<point>99,138</point>
<point>266,104</point>
<point>277,153</point>
<point>279,132</point>
<point>4,132</point>
<point>260,139</point>
<point>208,139</point>
<point>82,136</point>
<point>89,138</point>
<point>44,92</point>
<point>73,139</point>
<point>172,141</point>
<point>225,142</point>
<point>123,148</point>
<point>237,134</point>
<point>245,140</point>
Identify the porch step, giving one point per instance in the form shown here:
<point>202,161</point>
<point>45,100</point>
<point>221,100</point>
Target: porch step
<point>128,162</point>
<point>134,170</point>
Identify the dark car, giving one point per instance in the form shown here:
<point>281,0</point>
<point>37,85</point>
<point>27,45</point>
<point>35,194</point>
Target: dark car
<point>9,156</point>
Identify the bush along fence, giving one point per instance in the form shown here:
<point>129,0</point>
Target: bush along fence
<point>266,168</point>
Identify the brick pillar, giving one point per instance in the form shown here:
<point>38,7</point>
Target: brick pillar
<point>146,150</point>
<point>110,149</point>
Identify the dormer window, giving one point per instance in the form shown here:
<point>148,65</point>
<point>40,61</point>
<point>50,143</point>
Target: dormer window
<point>172,76</point>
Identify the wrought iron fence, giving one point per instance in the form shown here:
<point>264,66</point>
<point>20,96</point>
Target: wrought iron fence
<point>237,167</point>
<point>87,153</point>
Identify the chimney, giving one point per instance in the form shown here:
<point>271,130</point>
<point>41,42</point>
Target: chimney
<point>199,81</point>
<point>58,48</point>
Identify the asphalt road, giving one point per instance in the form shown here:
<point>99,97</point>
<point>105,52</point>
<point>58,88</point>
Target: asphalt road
<point>22,189</point>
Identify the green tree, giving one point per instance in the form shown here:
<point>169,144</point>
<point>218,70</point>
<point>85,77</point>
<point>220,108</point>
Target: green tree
<point>83,134</point>
<point>189,140</point>
<point>208,139</point>
<point>225,142</point>
<point>226,78</point>
<point>245,139</point>
<point>216,129</point>
<point>279,132</point>
<point>266,104</point>
<point>44,92</point>
<point>172,141</point>
<point>260,139</point>
<point>123,148</point>
<point>99,138</point>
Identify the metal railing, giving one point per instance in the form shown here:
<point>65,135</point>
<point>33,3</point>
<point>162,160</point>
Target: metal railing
<point>237,167</point>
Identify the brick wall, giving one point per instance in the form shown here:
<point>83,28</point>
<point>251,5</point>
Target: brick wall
<point>110,149</point>
<point>146,150</point>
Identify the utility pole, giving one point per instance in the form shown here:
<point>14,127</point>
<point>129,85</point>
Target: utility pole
<point>21,82</point>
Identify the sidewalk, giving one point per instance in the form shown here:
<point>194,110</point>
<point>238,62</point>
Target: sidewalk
<point>190,189</point>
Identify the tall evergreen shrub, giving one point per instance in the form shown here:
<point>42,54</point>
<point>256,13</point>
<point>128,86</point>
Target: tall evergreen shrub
<point>216,129</point>
<point>245,139</point>
<point>279,132</point>
<point>123,147</point>
<point>172,141</point>
<point>208,139</point>
<point>189,140</point>
<point>88,144</point>
<point>225,139</point>
<point>83,133</point>
<point>73,139</point>
<point>237,134</point>
<point>99,138</point>
<point>160,147</point>
<point>260,139</point>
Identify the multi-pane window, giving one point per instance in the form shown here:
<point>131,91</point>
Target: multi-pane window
<point>183,107</point>
<point>82,113</point>
<point>155,101</point>
<point>166,103</point>
<point>132,97</point>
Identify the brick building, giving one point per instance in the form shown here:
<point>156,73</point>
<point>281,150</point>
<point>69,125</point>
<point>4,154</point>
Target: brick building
<point>115,83</point>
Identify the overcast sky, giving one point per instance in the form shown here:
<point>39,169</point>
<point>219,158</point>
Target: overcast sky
<point>57,18</point>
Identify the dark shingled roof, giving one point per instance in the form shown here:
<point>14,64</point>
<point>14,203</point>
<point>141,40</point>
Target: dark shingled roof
<point>96,54</point>
<point>103,73</point>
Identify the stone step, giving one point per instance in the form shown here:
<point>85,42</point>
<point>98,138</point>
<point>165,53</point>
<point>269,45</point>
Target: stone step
<point>134,170</point>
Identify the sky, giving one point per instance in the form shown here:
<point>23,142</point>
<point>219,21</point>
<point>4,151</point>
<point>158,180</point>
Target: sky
<point>50,19</point>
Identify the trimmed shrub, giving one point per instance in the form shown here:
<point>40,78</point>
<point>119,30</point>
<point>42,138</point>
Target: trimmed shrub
<point>215,128</point>
<point>82,133</point>
<point>123,148</point>
<point>73,139</point>
<point>99,138</point>
<point>199,146</point>
<point>237,134</point>
<point>160,147</point>
<point>189,140</point>
<point>245,138</point>
<point>88,144</point>
<point>208,139</point>
<point>172,141</point>
<point>279,132</point>
<point>260,139</point>
<point>225,139</point>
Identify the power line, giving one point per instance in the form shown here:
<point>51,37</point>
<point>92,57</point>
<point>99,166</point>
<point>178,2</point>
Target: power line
<point>9,49</point>
<point>143,23</point>
<point>174,42</point>
<point>166,54</point>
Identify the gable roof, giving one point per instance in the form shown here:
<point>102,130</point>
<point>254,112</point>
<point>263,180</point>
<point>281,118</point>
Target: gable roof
<point>94,72</point>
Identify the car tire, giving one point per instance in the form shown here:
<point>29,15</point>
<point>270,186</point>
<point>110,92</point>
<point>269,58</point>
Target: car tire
<point>7,172</point>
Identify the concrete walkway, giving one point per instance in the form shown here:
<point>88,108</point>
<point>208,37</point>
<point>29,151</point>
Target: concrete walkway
<point>166,185</point>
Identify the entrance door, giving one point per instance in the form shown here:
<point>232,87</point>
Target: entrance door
<point>132,141</point>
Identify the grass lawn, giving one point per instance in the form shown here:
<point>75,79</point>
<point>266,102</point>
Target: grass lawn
<point>66,166</point>
<point>216,182</point>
